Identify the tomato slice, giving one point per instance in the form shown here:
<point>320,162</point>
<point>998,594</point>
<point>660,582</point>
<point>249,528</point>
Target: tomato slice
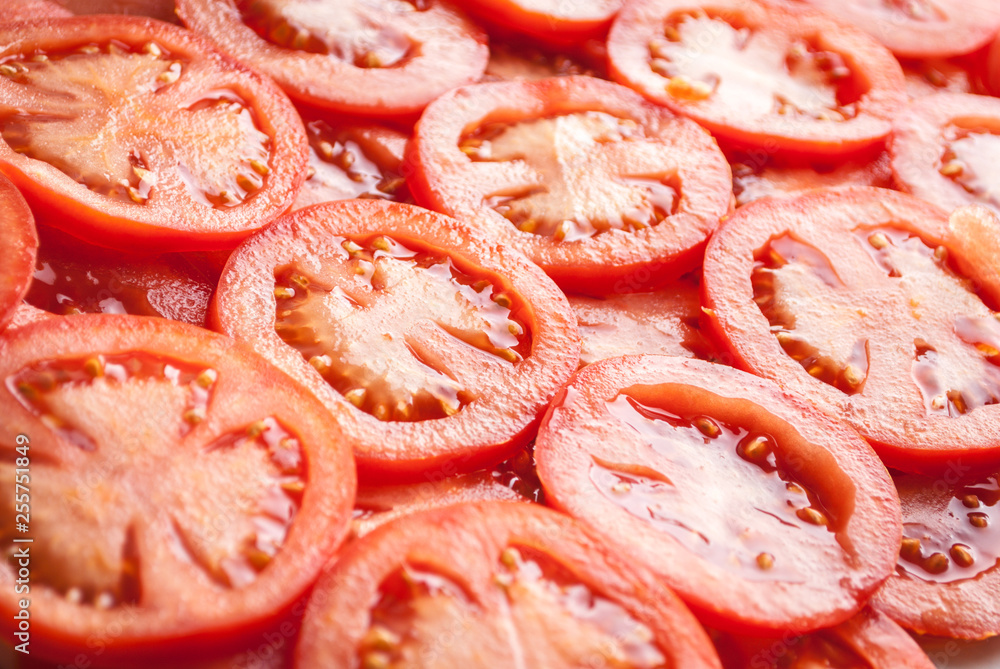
<point>522,59</point>
<point>25,10</point>
<point>513,480</point>
<point>200,512</point>
<point>939,75</point>
<point>920,28</point>
<point>73,277</point>
<point>945,147</point>
<point>762,513</point>
<point>19,242</point>
<point>948,571</point>
<point>348,160</point>
<point>494,585</point>
<point>760,74</point>
<point>25,314</point>
<point>993,68</point>
<point>869,640</point>
<point>156,9</point>
<point>667,322</point>
<point>759,174</point>
<point>606,192</point>
<point>549,20</point>
<point>383,58</point>
<point>178,148</point>
<point>861,300</point>
<point>434,347</point>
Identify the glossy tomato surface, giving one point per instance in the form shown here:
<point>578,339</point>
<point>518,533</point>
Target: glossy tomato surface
<point>945,148</point>
<point>549,20</point>
<point>606,192</point>
<point>199,512</point>
<point>163,10</point>
<point>25,10</point>
<point>494,585</point>
<point>382,58</point>
<point>19,244</point>
<point>436,349</point>
<point>760,74</point>
<point>860,300</point>
<point>762,513</point>
<point>136,134</point>
<point>947,575</point>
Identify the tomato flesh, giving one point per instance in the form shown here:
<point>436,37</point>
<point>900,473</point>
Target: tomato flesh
<point>20,240</point>
<point>740,498</point>
<point>758,174</point>
<point>25,10</point>
<point>524,585</point>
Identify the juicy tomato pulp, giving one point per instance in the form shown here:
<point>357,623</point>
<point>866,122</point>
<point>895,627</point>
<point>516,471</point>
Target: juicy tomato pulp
<point>73,277</point>
<point>759,74</point>
<point>760,512</point>
<point>19,242</point>
<point>440,350</point>
<point>26,10</point>
<point>607,193</point>
<point>380,58</point>
<point>947,573</point>
<point>176,147</point>
<point>494,585</point>
<point>860,300</point>
<point>200,512</point>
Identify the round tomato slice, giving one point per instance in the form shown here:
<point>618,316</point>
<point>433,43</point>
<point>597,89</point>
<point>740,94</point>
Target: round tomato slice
<point>172,513</point>
<point>19,242</point>
<point>177,148</point>
<point>939,75</point>
<point>948,573</point>
<point>863,301</point>
<point>759,74</point>
<point>606,192</point>
<point>869,640</point>
<point>434,347</point>
<point>25,10</point>
<point>156,9</point>
<point>945,150</point>
<point>384,58</point>
<point>73,277</point>
<point>763,514</point>
<point>494,585</point>
<point>353,160</point>
<point>667,322</point>
<point>759,174</point>
<point>921,28</point>
<point>549,20</point>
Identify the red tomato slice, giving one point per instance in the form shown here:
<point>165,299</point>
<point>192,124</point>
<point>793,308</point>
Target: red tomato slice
<point>759,74</point>
<point>921,28</point>
<point>522,59</point>
<point>993,68</point>
<point>938,75</point>
<point>948,571</point>
<point>494,585</point>
<point>858,300</point>
<point>437,349</point>
<point>157,9</point>
<point>606,192</point>
<point>384,58</point>
<point>759,174</point>
<point>550,20</point>
<point>945,149</point>
<point>178,148</point>
<point>199,512</point>
<point>25,10</point>
<point>348,161</point>
<point>763,514</point>
<point>73,277</point>
<point>25,314</point>
<point>869,640</point>
<point>513,480</point>
<point>19,242</point>
<point>665,322</point>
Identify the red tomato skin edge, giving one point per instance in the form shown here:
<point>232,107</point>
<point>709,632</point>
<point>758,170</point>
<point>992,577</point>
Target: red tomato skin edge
<point>555,32</point>
<point>20,260</point>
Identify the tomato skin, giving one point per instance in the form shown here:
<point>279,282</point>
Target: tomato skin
<point>19,240</point>
<point>871,636</point>
<point>878,73</point>
<point>909,440</point>
<point>194,625</point>
<point>578,421</point>
<point>607,263</point>
<point>62,202</point>
<point>455,55</point>
<point>550,20</point>
<point>993,68</point>
<point>919,142</point>
<point>464,543</point>
<point>478,436</point>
